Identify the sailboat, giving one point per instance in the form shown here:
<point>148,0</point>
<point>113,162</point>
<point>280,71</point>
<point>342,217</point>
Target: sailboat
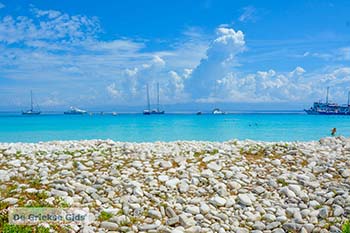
<point>148,111</point>
<point>31,111</point>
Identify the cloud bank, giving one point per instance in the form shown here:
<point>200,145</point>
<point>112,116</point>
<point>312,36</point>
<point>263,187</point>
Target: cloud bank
<point>64,60</point>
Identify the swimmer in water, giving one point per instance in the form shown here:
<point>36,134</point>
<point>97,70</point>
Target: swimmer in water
<point>334,131</point>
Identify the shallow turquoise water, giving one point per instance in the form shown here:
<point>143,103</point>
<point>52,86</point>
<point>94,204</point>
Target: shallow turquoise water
<point>171,127</point>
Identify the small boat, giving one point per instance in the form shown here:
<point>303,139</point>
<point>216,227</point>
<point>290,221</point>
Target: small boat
<point>31,111</point>
<point>75,111</point>
<point>114,114</point>
<point>156,111</point>
<point>217,111</point>
<point>199,113</point>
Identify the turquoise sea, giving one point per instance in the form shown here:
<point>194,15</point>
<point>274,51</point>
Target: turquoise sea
<point>170,127</point>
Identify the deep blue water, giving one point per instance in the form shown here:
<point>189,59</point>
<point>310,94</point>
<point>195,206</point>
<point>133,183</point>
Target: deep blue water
<point>171,127</point>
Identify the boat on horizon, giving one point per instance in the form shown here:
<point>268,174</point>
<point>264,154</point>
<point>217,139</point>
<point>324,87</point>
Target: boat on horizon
<point>328,108</point>
<point>217,111</point>
<point>75,111</point>
<point>156,111</point>
<point>31,111</point>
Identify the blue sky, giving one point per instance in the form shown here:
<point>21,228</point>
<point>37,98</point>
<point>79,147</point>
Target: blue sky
<point>90,54</point>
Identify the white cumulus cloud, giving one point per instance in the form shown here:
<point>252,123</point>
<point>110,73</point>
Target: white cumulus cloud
<point>219,61</point>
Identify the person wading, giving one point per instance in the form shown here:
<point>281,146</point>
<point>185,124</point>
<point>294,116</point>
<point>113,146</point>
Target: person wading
<point>334,131</point>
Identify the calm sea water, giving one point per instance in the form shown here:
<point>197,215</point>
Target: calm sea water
<point>171,127</point>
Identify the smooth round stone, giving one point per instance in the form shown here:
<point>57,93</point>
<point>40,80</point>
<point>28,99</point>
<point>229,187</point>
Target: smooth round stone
<point>204,208</point>
<point>192,209</point>
<point>172,183</point>
<point>172,221</point>
<point>4,176</point>
<point>165,164</point>
<point>346,173</point>
<point>269,217</point>
<point>154,214</point>
<point>163,178</point>
<point>183,187</point>
<point>31,190</point>
<point>276,162</point>
<point>337,210</point>
<point>199,217</point>
<point>234,185</point>
<point>218,201</point>
<point>259,190</point>
<point>273,225</point>
<point>10,200</point>
<point>109,226</point>
<point>214,166</point>
<point>244,199</point>
<point>323,212</point>
<point>308,227</point>
<point>259,226</point>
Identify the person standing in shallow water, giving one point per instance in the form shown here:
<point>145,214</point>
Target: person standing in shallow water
<point>334,131</point>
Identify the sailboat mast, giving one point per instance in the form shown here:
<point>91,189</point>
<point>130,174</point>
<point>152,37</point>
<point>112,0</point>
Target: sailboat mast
<point>327,95</point>
<point>158,97</point>
<point>348,98</point>
<point>31,100</point>
<point>215,95</point>
<point>148,101</point>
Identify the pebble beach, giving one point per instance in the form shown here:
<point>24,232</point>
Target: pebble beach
<point>183,186</point>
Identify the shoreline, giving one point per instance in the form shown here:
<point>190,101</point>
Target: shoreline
<point>184,186</point>
<point>70,142</point>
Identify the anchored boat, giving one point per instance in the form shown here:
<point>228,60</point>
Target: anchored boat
<point>75,111</point>
<point>31,111</point>
<point>148,111</point>
<point>327,108</point>
<point>217,111</point>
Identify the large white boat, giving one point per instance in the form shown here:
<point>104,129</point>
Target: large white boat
<point>31,111</point>
<point>75,111</point>
<point>327,108</point>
